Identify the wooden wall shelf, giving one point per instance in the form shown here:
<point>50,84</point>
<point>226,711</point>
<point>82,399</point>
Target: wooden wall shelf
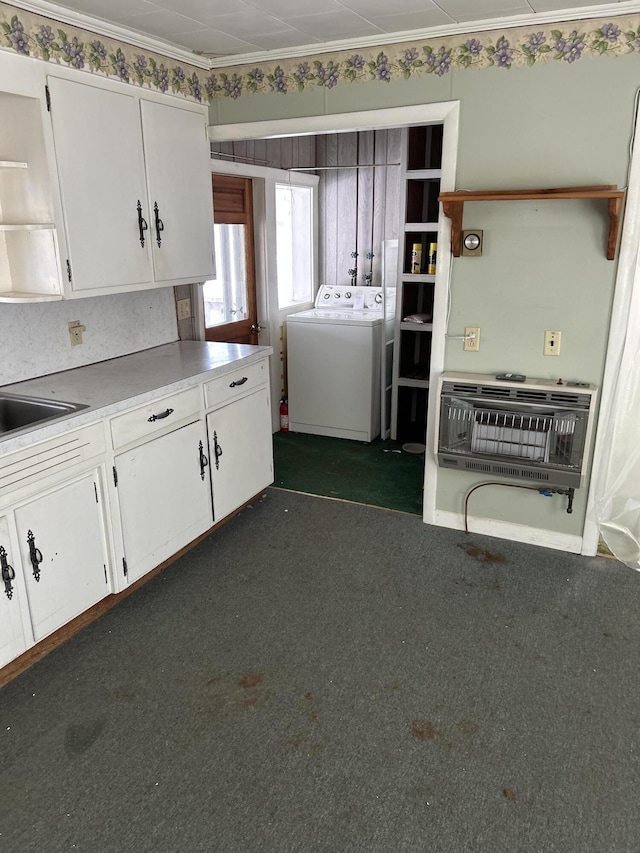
<point>453,206</point>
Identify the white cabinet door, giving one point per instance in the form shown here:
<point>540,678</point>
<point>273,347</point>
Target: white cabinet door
<point>63,553</point>
<point>165,501</point>
<point>12,640</point>
<point>180,196</point>
<point>98,145</point>
<point>241,448</point>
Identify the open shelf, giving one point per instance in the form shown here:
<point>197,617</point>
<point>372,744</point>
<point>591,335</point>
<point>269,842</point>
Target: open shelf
<point>420,219</point>
<point>27,296</point>
<point>453,206</point>
<point>424,148</point>
<point>27,226</point>
<point>422,199</point>
<point>416,327</point>
<point>412,412</point>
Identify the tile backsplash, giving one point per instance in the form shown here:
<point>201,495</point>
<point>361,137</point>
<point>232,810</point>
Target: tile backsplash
<point>34,338</point>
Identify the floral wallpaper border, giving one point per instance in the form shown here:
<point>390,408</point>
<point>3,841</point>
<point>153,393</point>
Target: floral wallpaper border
<point>34,35</point>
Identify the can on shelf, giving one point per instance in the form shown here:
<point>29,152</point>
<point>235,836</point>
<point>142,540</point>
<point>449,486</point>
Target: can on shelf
<point>416,257</point>
<point>433,250</point>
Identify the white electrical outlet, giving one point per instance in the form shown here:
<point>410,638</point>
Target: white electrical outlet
<point>471,338</point>
<point>183,307</point>
<point>552,342</point>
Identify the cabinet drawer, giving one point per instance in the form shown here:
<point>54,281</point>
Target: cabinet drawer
<point>156,416</point>
<point>235,384</point>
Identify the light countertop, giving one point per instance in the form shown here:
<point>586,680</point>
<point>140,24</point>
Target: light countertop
<point>111,386</point>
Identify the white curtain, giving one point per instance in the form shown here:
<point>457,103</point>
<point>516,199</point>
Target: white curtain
<point>618,489</point>
<point>616,484</point>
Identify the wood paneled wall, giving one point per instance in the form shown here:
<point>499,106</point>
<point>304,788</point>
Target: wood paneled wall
<point>358,207</point>
<point>285,153</point>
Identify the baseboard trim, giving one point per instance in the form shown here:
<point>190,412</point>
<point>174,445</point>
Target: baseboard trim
<point>508,530</point>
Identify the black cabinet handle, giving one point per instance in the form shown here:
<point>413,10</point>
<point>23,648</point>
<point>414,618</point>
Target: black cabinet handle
<point>159,223</point>
<point>35,555</point>
<point>217,450</point>
<point>161,416</point>
<point>142,224</point>
<point>203,460</point>
<point>235,383</point>
<point>8,573</point>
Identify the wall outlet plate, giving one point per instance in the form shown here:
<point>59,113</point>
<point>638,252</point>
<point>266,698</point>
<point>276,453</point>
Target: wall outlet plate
<point>471,243</point>
<point>183,308</point>
<point>472,339</point>
<point>75,332</point>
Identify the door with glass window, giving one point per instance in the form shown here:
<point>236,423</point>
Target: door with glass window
<point>230,304</point>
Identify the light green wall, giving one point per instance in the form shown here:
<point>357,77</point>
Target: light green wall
<point>544,264</point>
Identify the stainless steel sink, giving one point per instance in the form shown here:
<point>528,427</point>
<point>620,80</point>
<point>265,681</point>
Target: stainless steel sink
<point>18,412</point>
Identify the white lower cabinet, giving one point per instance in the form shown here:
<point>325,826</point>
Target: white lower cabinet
<point>12,635</point>
<point>241,449</point>
<point>164,497</point>
<point>63,552</point>
<point>69,538</point>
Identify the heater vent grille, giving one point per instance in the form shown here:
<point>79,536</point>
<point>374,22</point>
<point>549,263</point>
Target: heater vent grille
<point>510,430</point>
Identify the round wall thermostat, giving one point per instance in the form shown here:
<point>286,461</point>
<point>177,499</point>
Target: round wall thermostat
<point>472,242</point>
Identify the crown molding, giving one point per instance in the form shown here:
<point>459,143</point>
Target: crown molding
<point>112,31</point>
<point>172,51</point>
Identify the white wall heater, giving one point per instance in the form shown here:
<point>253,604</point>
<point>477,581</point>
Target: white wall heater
<point>536,429</point>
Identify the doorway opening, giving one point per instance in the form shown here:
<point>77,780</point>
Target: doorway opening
<point>272,132</point>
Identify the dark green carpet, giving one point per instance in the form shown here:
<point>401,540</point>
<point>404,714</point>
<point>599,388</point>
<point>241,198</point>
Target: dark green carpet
<point>378,474</point>
<point>326,677</point>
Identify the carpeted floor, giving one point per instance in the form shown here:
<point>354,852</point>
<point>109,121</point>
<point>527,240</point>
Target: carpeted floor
<point>377,474</point>
<point>325,676</point>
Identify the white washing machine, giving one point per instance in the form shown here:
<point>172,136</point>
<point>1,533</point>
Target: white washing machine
<point>334,357</point>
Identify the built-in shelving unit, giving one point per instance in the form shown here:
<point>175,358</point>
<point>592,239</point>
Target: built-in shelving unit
<point>419,203</point>
<point>29,269</point>
<point>453,206</point>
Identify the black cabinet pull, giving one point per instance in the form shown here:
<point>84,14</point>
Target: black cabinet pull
<point>161,416</point>
<point>159,223</point>
<point>35,555</point>
<point>237,382</point>
<point>142,223</point>
<point>8,573</point>
<point>203,460</point>
<point>217,450</point>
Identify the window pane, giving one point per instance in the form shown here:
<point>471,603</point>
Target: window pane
<point>294,244</point>
<point>225,298</point>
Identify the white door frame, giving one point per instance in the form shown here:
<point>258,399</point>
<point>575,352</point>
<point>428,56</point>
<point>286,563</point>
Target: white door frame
<point>446,112</point>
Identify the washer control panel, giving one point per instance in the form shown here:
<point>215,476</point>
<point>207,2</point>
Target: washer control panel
<point>338,296</point>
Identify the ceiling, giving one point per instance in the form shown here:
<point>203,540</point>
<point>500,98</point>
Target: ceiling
<point>233,28</point>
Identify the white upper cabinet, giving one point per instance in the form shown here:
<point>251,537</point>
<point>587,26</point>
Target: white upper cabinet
<point>180,199</point>
<point>98,146</point>
<point>104,188</point>
<point>135,188</point>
